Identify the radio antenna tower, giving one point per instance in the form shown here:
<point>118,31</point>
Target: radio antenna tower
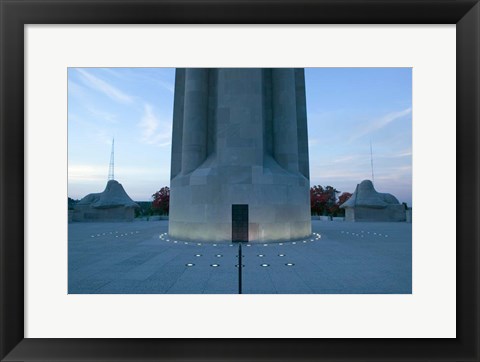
<point>111,167</point>
<point>371,160</point>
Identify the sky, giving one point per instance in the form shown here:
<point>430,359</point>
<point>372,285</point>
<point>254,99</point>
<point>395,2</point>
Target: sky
<point>348,109</point>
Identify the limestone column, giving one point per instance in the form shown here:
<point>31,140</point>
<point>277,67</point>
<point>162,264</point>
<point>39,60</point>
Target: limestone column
<point>302,131</point>
<point>194,142</point>
<point>284,102</point>
<point>177,126</point>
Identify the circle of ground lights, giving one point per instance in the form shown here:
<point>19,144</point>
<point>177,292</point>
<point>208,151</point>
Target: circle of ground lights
<point>189,264</point>
<point>214,265</point>
<point>264,265</point>
<point>289,264</point>
<point>315,235</point>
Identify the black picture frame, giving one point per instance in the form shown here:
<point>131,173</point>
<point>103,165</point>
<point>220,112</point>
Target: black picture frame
<point>15,14</point>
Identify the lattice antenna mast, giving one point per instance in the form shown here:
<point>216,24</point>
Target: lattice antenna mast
<point>371,160</point>
<point>111,168</point>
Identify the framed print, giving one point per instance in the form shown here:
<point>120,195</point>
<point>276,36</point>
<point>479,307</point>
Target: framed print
<point>361,276</point>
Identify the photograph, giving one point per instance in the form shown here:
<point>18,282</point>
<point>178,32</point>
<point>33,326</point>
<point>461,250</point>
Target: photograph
<point>239,181</point>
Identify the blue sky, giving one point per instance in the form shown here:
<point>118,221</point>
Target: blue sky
<point>347,109</point>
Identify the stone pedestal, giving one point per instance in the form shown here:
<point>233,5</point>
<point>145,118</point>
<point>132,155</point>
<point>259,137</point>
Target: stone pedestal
<point>366,204</point>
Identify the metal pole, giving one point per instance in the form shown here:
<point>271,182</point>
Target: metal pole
<point>240,261</point>
<point>371,160</point>
<point>111,167</point>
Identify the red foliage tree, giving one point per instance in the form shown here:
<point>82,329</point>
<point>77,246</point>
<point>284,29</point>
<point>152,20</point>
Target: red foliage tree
<point>322,199</point>
<point>335,209</point>
<point>316,199</point>
<point>344,197</point>
<point>161,200</point>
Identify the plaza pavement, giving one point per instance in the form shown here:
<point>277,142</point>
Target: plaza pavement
<point>139,257</point>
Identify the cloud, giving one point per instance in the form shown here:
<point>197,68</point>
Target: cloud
<point>83,173</point>
<point>380,123</point>
<point>404,153</point>
<point>154,131</point>
<point>145,75</point>
<point>87,173</point>
<point>102,115</point>
<point>342,174</point>
<point>113,72</point>
<point>347,159</point>
<point>104,87</point>
<point>156,76</point>
<point>76,90</point>
<point>346,171</point>
<point>167,85</point>
<point>102,136</point>
<point>392,155</point>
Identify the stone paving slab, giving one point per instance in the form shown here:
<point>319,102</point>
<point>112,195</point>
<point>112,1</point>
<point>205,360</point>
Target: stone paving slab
<point>139,258</point>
